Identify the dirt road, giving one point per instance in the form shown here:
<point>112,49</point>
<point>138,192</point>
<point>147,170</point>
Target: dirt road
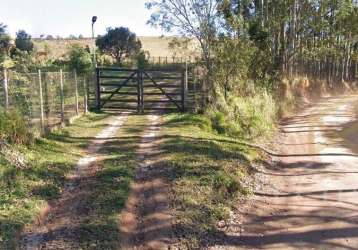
<point>310,200</point>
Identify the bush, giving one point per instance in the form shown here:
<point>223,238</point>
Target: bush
<point>80,59</point>
<point>13,128</point>
<point>251,116</point>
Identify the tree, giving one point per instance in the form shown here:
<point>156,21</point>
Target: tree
<point>23,41</point>
<point>198,19</point>
<point>5,41</point>
<point>119,43</point>
<point>80,59</point>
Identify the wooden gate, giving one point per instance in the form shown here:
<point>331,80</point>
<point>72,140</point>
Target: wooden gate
<point>119,88</point>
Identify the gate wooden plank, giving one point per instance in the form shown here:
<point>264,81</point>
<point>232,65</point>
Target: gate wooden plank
<point>168,96</point>
<point>119,87</point>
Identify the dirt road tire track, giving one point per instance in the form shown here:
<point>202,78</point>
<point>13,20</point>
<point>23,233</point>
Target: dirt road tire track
<point>55,228</point>
<point>146,222</point>
<point>310,199</point>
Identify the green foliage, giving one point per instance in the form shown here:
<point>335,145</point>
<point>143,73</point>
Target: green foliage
<point>219,122</point>
<point>14,128</point>
<point>79,59</point>
<point>119,43</point>
<point>142,61</point>
<point>23,192</point>
<point>252,116</point>
<point>23,41</point>
<point>5,42</point>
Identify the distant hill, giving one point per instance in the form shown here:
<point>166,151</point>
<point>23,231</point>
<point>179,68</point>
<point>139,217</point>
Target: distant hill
<point>156,46</point>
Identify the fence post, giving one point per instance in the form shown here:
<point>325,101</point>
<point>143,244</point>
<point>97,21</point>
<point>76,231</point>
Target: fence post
<point>186,80</point>
<point>141,91</point>
<point>183,91</point>
<point>62,98</point>
<point>138,92</point>
<point>6,90</point>
<point>98,90</point>
<point>85,100</point>
<point>76,93</point>
<point>41,104</point>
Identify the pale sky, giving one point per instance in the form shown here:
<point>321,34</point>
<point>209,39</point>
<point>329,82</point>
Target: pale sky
<point>66,17</point>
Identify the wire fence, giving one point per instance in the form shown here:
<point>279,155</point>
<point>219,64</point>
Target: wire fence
<point>45,99</point>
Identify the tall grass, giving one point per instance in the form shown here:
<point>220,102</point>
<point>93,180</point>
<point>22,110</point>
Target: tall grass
<point>13,128</point>
<point>248,116</point>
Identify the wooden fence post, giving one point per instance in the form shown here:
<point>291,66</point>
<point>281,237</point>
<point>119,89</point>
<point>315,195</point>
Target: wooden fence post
<point>76,94</point>
<point>62,98</point>
<point>186,81</point>
<point>42,123</point>
<point>183,91</point>
<point>141,92</point>
<point>138,92</point>
<point>6,90</point>
<point>85,100</point>
<point>98,90</point>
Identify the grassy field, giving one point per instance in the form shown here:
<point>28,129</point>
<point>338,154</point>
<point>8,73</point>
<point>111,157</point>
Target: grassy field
<point>156,46</point>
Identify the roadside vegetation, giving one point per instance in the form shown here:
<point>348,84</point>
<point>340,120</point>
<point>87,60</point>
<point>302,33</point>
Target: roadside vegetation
<point>258,61</point>
<point>209,172</point>
<point>34,171</point>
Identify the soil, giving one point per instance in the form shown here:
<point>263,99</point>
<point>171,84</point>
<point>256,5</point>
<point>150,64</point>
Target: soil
<point>309,197</point>
<point>59,223</point>
<point>146,222</point>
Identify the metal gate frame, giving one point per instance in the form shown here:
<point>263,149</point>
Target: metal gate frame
<point>139,76</point>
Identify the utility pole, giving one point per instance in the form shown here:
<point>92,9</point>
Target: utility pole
<point>94,19</point>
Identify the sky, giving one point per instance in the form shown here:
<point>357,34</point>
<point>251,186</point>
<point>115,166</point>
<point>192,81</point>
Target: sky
<point>73,17</point>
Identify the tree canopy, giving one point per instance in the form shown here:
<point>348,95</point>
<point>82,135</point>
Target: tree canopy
<point>119,43</point>
<point>5,41</point>
<point>80,59</point>
<point>23,41</point>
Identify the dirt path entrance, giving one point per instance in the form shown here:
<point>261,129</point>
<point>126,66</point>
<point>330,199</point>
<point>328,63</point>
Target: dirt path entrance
<point>311,198</point>
<point>146,221</point>
<point>59,225</point>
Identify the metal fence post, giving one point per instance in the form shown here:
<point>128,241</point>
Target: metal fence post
<point>62,98</point>
<point>6,90</point>
<point>76,93</point>
<point>42,123</point>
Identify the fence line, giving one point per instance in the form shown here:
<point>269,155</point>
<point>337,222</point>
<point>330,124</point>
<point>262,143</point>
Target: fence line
<point>45,99</point>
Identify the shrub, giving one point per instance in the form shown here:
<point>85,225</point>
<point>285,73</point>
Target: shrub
<point>13,128</point>
<point>218,122</point>
<point>80,59</point>
<point>251,116</point>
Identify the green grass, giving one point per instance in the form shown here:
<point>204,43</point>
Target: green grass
<point>207,171</point>
<point>23,192</point>
<point>111,186</point>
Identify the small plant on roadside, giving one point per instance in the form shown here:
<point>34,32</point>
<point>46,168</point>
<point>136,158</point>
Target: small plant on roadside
<point>13,128</point>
